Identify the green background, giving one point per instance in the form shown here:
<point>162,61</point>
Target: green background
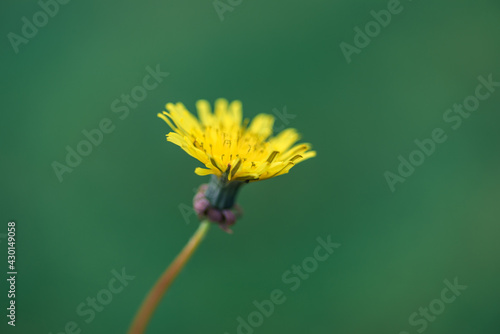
<point>120,207</point>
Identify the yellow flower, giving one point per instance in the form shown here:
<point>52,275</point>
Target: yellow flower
<point>228,145</point>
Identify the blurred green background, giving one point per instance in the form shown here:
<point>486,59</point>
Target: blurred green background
<point>119,208</point>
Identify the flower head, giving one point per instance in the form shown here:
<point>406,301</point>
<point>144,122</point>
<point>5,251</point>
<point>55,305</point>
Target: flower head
<point>230,146</point>
<point>234,151</point>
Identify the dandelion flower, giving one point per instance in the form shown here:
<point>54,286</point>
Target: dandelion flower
<point>233,150</point>
<point>229,146</point>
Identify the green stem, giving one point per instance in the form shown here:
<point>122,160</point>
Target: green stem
<point>154,296</point>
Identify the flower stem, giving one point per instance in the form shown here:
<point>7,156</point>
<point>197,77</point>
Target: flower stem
<point>154,296</point>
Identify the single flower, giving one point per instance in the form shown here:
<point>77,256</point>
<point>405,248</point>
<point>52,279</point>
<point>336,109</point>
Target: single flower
<point>234,151</point>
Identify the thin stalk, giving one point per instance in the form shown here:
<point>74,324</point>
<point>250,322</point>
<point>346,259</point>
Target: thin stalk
<point>155,295</point>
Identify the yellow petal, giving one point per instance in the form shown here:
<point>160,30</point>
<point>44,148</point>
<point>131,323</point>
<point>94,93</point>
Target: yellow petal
<point>203,171</point>
<point>204,112</point>
<point>262,125</point>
